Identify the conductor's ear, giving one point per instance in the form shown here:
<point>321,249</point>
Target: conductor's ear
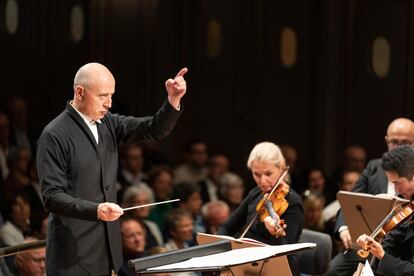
<point>79,91</point>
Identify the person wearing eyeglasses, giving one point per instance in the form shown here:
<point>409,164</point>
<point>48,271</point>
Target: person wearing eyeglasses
<point>373,180</point>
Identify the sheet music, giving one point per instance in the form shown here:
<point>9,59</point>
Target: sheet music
<point>236,257</point>
<point>367,271</point>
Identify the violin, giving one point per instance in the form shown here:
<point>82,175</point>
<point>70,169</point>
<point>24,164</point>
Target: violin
<point>274,202</point>
<point>263,207</point>
<point>398,215</point>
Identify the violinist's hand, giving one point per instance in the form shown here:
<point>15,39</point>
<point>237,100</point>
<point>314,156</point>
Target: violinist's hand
<point>274,228</point>
<point>375,247</point>
<point>109,211</point>
<point>346,238</point>
<point>176,88</point>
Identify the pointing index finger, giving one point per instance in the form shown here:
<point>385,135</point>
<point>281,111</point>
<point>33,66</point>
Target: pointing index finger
<point>182,72</point>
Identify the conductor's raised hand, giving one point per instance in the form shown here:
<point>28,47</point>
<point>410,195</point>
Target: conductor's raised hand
<point>109,211</point>
<point>176,88</point>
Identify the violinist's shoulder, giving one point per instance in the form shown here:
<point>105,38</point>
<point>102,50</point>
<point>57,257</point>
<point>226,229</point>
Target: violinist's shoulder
<point>293,197</point>
<point>255,192</point>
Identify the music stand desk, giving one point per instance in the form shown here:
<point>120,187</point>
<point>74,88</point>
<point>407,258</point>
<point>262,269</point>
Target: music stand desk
<point>364,212</point>
<point>224,260</point>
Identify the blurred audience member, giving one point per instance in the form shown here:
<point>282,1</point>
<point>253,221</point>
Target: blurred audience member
<point>313,204</point>
<point>160,179</point>
<point>133,243</point>
<point>179,225</point>
<point>291,158</point>
<point>18,115</point>
<point>4,145</point>
<point>18,178</point>
<point>348,181</point>
<point>32,262</point>
<point>217,166</point>
<point>214,214</point>
<point>17,220</point>
<point>4,168</point>
<point>190,200</point>
<point>4,269</point>
<point>232,190</point>
<point>355,158</point>
<point>33,189</point>
<point>131,168</point>
<point>316,182</point>
<point>154,155</point>
<point>38,224</point>
<point>142,195</point>
<point>194,169</point>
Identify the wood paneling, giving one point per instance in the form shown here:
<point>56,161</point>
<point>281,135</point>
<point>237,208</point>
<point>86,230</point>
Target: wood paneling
<point>327,100</point>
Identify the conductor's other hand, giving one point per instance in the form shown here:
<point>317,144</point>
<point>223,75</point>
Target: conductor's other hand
<point>346,238</point>
<point>109,211</point>
<point>176,88</point>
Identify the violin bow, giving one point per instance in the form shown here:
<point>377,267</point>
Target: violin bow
<point>279,180</point>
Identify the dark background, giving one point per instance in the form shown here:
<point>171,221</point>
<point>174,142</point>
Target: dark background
<point>240,90</point>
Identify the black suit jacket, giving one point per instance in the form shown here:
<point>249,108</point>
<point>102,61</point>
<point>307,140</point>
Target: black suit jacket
<point>373,180</point>
<point>293,217</point>
<point>399,252</point>
<point>76,174</point>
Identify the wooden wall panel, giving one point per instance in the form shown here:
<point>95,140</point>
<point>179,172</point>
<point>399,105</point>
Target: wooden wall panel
<point>373,102</point>
<point>327,100</point>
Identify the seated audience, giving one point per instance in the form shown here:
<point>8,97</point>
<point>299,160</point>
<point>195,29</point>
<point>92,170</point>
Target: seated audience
<point>143,195</point>
<point>18,178</point>
<point>160,179</point>
<point>179,226</point>
<point>32,262</point>
<point>190,200</point>
<point>194,169</point>
<point>214,213</point>
<point>131,168</point>
<point>217,166</point>
<point>133,242</point>
<point>313,203</point>
<point>232,190</point>
<point>17,223</point>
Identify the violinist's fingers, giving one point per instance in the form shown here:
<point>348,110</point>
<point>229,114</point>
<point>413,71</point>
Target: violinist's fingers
<point>279,232</point>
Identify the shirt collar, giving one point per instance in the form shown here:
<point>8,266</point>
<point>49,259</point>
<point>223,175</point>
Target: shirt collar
<point>88,121</point>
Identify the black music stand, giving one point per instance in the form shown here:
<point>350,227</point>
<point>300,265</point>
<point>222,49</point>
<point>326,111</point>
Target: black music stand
<point>199,259</point>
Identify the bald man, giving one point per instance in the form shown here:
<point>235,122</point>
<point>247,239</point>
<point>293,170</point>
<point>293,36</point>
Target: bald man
<point>77,158</point>
<point>32,262</point>
<point>374,181</point>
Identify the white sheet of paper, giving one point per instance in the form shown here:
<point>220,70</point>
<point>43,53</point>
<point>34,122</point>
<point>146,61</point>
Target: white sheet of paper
<point>235,257</point>
<point>367,271</point>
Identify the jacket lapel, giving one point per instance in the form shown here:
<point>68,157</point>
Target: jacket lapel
<point>82,125</point>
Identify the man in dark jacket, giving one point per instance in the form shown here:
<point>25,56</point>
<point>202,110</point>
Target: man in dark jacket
<point>77,158</point>
<point>395,254</point>
<point>373,180</point>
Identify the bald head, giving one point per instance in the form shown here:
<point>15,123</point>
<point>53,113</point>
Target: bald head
<point>93,88</point>
<point>400,132</point>
<point>92,74</point>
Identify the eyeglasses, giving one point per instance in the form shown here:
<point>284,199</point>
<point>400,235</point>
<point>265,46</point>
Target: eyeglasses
<point>396,142</point>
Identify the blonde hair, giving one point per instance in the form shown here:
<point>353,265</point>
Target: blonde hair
<point>266,151</point>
